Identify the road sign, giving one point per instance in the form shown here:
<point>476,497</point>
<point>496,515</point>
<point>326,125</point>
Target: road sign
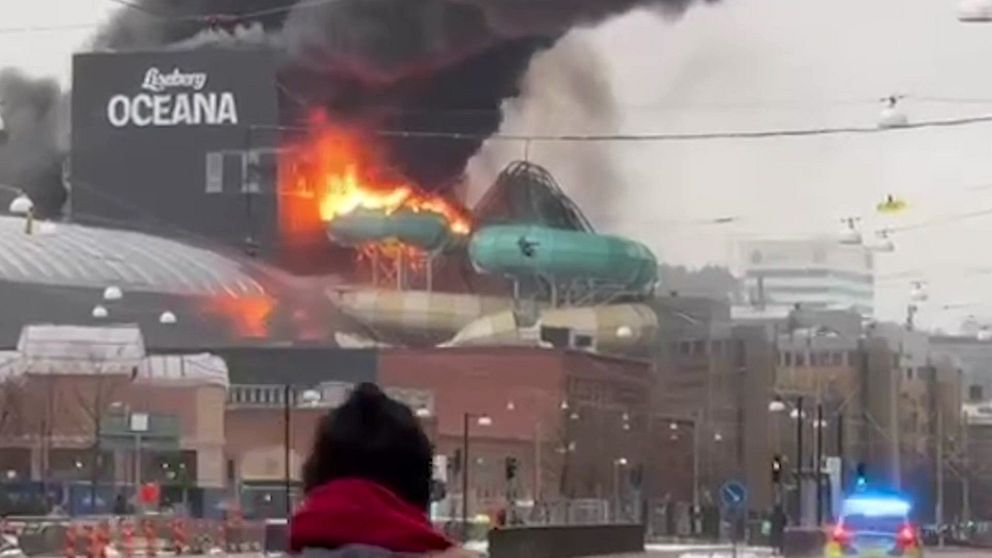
<point>733,494</point>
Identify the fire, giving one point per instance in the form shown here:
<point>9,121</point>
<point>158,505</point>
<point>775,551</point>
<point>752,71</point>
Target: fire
<point>331,169</point>
<point>248,316</point>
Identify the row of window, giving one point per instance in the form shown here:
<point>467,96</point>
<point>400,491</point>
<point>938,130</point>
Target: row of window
<point>733,348</point>
<point>801,359</point>
<point>258,395</point>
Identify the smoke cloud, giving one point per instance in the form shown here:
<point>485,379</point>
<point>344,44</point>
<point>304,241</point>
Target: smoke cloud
<point>409,65</point>
<point>33,142</point>
<point>565,91</point>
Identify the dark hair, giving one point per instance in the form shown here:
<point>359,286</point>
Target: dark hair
<point>375,438</point>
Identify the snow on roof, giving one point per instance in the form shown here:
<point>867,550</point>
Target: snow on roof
<point>184,369</point>
<point>120,349</point>
<point>63,349</point>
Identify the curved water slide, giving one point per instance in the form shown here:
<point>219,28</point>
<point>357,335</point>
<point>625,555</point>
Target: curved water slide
<point>515,251</point>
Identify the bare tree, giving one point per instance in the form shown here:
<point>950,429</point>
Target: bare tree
<point>9,405</point>
<point>93,399</point>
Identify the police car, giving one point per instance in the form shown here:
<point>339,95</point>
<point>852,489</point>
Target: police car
<point>874,526</point>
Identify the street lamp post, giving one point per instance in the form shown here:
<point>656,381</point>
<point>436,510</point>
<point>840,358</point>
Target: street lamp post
<point>617,466</point>
<point>818,461</point>
<point>481,420</point>
<point>287,425</point>
<point>778,405</point>
<point>799,459</point>
<point>309,397</point>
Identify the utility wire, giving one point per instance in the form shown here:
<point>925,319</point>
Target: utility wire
<point>693,136</point>
<point>675,136</point>
<point>944,220</point>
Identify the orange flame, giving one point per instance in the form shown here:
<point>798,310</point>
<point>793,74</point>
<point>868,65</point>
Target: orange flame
<point>249,316</point>
<point>331,169</point>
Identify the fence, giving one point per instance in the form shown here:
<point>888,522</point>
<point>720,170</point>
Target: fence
<point>135,536</point>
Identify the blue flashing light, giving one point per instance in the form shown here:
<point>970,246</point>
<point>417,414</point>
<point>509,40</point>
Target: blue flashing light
<point>876,506</point>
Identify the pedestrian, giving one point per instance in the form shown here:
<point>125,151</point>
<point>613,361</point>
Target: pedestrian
<point>120,506</point>
<point>778,521</point>
<point>367,485</point>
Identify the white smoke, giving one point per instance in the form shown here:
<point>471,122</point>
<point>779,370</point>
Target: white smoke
<point>565,91</point>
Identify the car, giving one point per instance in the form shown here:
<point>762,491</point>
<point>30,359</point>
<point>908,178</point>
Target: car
<point>874,526</point>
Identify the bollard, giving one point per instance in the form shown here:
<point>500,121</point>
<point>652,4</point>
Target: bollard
<point>127,538</point>
<point>92,541</point>
<point>151,539</point>
<point>179,535</point>
<point>103,538</point>
<point>221,538</point>
<point>70,541</point>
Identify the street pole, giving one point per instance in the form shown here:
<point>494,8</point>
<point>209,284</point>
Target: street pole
<point>965,482</point>
<point>939,512</point>
<point>616,491</point>
<point>840,449</point>
<point>695,473</point>
<point>287,392</point>
<point>465,466</point>
<point>537,462</point>
<point>137,469</point>
<point>799,461</point>
<point>817,465</point>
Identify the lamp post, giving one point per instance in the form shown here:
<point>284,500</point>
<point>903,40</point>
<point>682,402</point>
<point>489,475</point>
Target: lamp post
<point>695,423</point>
<point>778,405</point>
<point>618,464</point>
<point>310,398</point>
<point>481,420</point>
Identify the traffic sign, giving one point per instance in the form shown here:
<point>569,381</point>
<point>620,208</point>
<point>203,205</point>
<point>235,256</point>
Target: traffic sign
<point>733,494</point>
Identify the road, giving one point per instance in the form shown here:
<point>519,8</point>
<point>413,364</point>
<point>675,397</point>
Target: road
<point>676,551</point>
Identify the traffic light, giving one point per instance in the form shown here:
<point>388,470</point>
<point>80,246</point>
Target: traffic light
<point>776,469</point>
<point>861,476</point>
<point>511,468</point>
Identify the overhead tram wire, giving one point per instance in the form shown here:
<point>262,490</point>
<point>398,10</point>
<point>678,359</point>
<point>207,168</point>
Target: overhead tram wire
<point>696,136</point>
<point>943,220</point>
<point>675,136</point>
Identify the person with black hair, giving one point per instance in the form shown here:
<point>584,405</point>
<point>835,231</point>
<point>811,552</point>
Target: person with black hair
<point>367,484</point>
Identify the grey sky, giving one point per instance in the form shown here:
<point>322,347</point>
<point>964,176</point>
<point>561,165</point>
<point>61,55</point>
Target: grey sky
<point>760,64</point>
<point>754,64</point>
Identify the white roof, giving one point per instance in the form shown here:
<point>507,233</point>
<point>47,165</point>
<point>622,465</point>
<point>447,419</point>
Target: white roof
<point>197,369</point>
<point>66,254</point>
<point>112,350</point>
<point>61,349</point>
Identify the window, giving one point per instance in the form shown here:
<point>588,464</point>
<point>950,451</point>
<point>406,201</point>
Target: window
<point>909,373</point>
<point>699,348</point>
<point>837,359</point>
<point>800,359</point>
<point>215,173</point>
<point>975,393</point>
<point>788,358</point>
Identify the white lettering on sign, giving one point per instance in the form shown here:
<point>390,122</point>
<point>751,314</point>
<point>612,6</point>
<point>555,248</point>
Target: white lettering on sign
<point>157,82</point>
<point>160,107</point>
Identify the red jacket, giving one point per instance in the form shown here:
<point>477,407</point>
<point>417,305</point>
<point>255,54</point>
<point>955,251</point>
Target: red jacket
<point>350,512</point>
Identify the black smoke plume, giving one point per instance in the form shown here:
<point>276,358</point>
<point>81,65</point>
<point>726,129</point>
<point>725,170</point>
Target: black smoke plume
<point>401,65</point>
<point>31,150</point>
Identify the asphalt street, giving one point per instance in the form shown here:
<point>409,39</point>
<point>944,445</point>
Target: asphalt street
<point>673,551</point>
